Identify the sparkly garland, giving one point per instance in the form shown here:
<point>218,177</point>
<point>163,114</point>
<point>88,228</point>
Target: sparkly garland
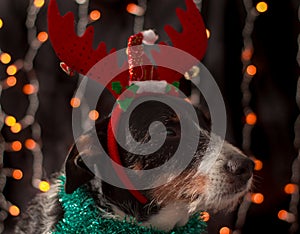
<point>82,216</point>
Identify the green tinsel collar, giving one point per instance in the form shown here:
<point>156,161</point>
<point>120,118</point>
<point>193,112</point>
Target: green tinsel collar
<point>82,216</point>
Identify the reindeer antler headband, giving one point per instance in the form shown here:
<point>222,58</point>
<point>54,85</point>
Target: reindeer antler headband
<point>78,55</point>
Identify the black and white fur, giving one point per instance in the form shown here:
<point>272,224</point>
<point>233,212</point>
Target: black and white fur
<point>219,188</point>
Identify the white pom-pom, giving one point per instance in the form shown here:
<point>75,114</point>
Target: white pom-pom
<point>149,37</point>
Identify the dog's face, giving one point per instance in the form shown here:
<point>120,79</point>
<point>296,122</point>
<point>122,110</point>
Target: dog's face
<point>216,188</point>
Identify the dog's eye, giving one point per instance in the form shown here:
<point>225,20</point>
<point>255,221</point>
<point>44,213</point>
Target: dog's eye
<point>170,132</point>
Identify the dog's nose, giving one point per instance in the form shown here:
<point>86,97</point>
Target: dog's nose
<point>240,166</point>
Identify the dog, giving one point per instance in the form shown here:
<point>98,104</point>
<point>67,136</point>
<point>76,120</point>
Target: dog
<point>168,205</point>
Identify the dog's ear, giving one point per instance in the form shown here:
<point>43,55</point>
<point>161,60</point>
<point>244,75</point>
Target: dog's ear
<point>77,173</point>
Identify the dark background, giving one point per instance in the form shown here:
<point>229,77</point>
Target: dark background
<point>273,88</point>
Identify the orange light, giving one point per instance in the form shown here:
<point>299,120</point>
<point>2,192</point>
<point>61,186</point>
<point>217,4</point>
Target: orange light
<point>290,188</point>
<point>94,115</point>
<point>135,9</point>
<point>247,54</point>
<point>225,230</point>
<point>258,165</point>
<point>11,70</point>
<point>262,7</point>
<point>14,210</point>
<point>42,36</point>
<point>282,214</point>
<point>30,144</point>
<point>251,118</point>
<point>17,174</point>
<point>10,121</point>
<point>75,102</point>
<point>95,15</point>
<point>16,128</point>
<point>5,58</point>
<point>1,23</point>
<point>44,186</point>
<point>207,33</point>
<point>39,3</point>
<point>28,89</point>
<point>257,198</point>
<point>16,146</point>
<point>11,81</point>
<point>251,70</point>
<point>204,216</point>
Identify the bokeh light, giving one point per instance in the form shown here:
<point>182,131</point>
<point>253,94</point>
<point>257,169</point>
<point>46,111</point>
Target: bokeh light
<point>207,33</point>
<point>257,198</point>
<point>1,23</point>
<point>204,216</point>
<point>10,120</point>
<point>262,7</point>
<point>251,118</point>
<point>11,70</point>
<point>94,115</point>
<point>225,230</point>
<point>28,89</point>
<point>44,186</point>
<point>42,36</point>
<point>258,165</point>
<point>16,145</point>
<point>5,58</point>
<point>290,188</point>
<point>30,144</point>
<point>39,3</point>
<point>11,81</point>
<point>251,70</point>
<point>14,210</point>
<point>135,9</point>
<point>95,15</point>
<point>16,128</point>
<point>75,102</point>
<point>17,174</point>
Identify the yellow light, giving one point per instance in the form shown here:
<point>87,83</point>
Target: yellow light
<point>75,102</point>
<point>1,23</point>
<point>262,7</point>
<point>251,70</point>
<point>11,81</point>
<point>16,146</point>
<point>44,186</point>
<point>14,210</point>
<point>30,144</point>
<point>95,15</point>
<point>39,3</point>
<point>16,128</point>
<point>28,89</point>
<point>42,36</point>
<point>5,58</point>
<point>10,121</point>
<point>251,118</point>
<point>11,70</point>
<point>17,174</point>
<point>258,165</point>
<point>94,115</point>
<point>225,230</point>
<point>291,188</point>
<point>207,33</point>
<point>257,198</point>
<point>204,216</point>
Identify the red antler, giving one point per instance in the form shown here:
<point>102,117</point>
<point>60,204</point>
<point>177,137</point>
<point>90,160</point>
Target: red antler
<point>192,39</point>
<point>77,52</point>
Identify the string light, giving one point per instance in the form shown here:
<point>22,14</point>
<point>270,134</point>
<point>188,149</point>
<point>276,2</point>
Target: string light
<point>249,71</point>
<point>25,66</point>
<point>207,33</point>
<point>75,102</point>
<point>291,188</point>
<point>30,144</point>
<point>135,9</point>
<point>258,165</point>
<point>204,215</point>
<point>1,23</point>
